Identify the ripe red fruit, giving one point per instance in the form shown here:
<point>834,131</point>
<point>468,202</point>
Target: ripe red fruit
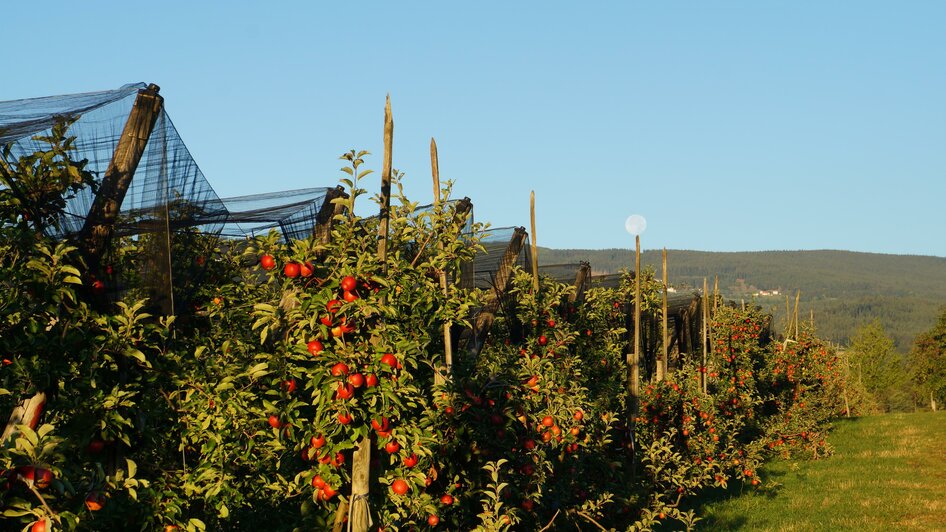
<point>529,444</point>
<point>315,347</point>
<point>344,418</point>
<point>339,369</point>
<point>446,499</point>
<point>326,320</point>
<point>548,421</point>
<point>317,482</point>
<point>333,306</point>
<point>350,296</point>
<point>551,323</point>
<point>267,262</point>
<point>527,505</point>
<point>34,476</point>
<point>95,446</point>
<point>579,415</point>
<point>433,520</point>
<point>328,492</point>
<point>400,487</point>
<point>291,269</point>
<point>543,340</point>
<point>317,441</point>
<point>381,426</point>
<point>94,501</point>
<point>349,283</point>
<point>306,270</point>
<point>274,421</point>
<point>410,461</point>
<point>371,380</point>
<point>356,379</point>
<point>392,447</point>
<point>39,526</point>
<point>289,385</point>
<point>390,360</point>
<point>345,391</point>
<point>98,286</point>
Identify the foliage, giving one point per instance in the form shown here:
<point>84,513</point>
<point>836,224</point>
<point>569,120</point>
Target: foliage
<point>928,364</point>
<point>844,290</point>
<point>879,368</point>
<point>248,406</point>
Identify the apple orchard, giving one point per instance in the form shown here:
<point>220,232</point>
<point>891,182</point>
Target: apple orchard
<point>306,386</point>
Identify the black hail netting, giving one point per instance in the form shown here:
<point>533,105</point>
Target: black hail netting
<point>292,213</point>
<point>170,210</point>
<point>482,272</point>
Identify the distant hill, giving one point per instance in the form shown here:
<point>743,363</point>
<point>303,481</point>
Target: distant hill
<point>844,289</point>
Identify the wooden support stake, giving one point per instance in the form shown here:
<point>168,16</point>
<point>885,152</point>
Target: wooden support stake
<point>795,313</point>
<point>715,293</point>
<point>663,368</point>
<point>535,249</point>
<point>26,413</point>
<point>100,221</point>
<point>476,337</point>
<point>327,213</point>
<point>635,362</point>
<point>581,282</point>
<point>359,511</point>
<point>439,374</point>
<point>706,339</point>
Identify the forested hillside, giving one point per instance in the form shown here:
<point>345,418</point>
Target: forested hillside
<point>844,289</point>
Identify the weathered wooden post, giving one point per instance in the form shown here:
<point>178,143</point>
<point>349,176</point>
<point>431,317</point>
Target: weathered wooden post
<point>535,248</point>
<point>439,377</point>
<point>325,219</point>
<point>795,314</point>
<point>706,339</point>
<point>581,282</point>
<point>476,336</point>
<point>635,363</point>
<point>100,221</point>
<point>662,367</point>
<point>359,514</point>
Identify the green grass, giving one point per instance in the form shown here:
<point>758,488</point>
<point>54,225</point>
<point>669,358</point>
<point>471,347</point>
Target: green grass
<point>888,472</point>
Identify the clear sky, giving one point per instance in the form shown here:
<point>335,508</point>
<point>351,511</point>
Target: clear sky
<point>729,125</point>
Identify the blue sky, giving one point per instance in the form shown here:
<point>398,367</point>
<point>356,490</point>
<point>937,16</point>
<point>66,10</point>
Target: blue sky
<point>729,125</point>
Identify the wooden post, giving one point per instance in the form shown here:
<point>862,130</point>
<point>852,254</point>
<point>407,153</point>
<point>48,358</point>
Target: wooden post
<point>439,377</point>
<point>484,320</point>
<point>581,282</point>
<point>795,314</point>
<point>327,213</point>
<point>662,367</point>
<point>715,293</point>
<point>26,413</point>
<point>706,339</point>
<point>100,222</point>
<point>359,512</point>
<point>634,373</point>
<point>535,249</point>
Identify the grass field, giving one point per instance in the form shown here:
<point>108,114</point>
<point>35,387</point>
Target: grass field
<point>888,473</point>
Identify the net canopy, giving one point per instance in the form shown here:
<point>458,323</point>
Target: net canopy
<point>170,209</point>
<point>481,273</point>
<point>292,213</point>
<point>168,189</point>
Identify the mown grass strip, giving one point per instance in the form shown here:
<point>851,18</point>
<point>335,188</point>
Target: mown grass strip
<point>887,473</point>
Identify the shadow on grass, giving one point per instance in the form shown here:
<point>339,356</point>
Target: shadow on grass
<point>709,520</point>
